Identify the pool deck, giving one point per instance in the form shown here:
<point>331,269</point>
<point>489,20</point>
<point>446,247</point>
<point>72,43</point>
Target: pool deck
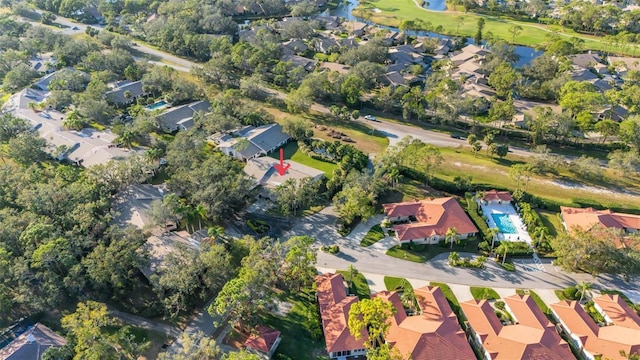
<point>521,229</point>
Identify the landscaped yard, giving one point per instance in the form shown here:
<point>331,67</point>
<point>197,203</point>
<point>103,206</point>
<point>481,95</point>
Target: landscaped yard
<point>395,283</point>
<point>364,138</point>
<point>393,12</point>
<point>300,328</point>
<point>551,221</point>
<point>374,235</point>
<point>359,286</point>
<point>421,253</point>
<point>484,293</point>
<point>291,152</point>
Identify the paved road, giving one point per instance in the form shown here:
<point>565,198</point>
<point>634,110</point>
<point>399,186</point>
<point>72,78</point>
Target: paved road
<point>368,260</point>
<point>394,131</point>
<point>145,323</point>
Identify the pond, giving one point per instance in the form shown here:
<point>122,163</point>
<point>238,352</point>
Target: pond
<point>435,5</point>
<point>344,10</point>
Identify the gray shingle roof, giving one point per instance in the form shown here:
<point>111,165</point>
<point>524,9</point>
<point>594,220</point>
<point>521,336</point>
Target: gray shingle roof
<point>32,343</point>
<point>117,95</point>
<point>182,115</point>
<point>267,137</point>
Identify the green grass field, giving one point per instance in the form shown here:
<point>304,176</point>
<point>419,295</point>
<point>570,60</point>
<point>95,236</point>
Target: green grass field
<point>484,293</point>
<point>394,283</point>
<point>360,286</point>
<point>373,236</point>
<point>551,221</point>
<point>421,253</point>
<point>393,12</point>
<point>488,171</point>
<point>291,152</point>
<point>296,327</point>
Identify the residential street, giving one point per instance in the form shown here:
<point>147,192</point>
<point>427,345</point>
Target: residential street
<point>368,260</point>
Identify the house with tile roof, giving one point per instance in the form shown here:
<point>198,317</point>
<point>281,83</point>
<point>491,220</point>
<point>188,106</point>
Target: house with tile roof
<point>621,332</point>
<point>532,336</point>
<point>263,342</point>
<point>261,140</point>
<point>434,330</point>
<point>334,304</point>
<point>31,344</point>
<point>588,218</point>
<point>497,197</point>
<point>428,220</point>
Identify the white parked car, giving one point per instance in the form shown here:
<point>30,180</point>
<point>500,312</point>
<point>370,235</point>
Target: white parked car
<point>370,117</point>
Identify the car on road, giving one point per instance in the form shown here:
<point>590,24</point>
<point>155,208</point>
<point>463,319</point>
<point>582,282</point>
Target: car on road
<point>370,117</point>
<point>457,136</point>
<point>75,28</point>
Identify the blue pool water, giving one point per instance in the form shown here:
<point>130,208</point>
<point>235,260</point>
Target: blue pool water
<point>157,105</point>
<point>504,224</point>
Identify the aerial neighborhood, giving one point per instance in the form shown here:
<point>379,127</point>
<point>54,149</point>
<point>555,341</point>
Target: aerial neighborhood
<point>319,179</point>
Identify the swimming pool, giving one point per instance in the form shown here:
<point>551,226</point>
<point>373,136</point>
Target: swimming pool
<point>504,224</point>
<point>157,105</point>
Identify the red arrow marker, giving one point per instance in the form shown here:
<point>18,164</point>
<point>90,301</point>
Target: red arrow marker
<point>282,168</point>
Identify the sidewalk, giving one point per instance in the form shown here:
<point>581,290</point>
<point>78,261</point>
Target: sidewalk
<point>357,234</point>
<point>384,244</point>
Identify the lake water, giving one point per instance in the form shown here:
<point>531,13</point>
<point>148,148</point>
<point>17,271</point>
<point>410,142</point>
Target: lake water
<point>435,5</point>
<point>526,53</point>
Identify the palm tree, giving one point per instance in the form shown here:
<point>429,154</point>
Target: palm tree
<point>153,155</point>
<point>126,138</point>
<point>73,121</point>
<point>352,272</point>
<point>583,288</point>
<point>504,246</point>
<point>33,106</point>
<point>201,213</point>
<point>493,232</point>
<point>216,232</point>
<point>451,236</point>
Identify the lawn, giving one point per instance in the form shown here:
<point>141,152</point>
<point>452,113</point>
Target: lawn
<point>396,283</point>
<point>492,172</point>
<point>291,152</point>
<point>374,235</point>
<point>365,139</point>
<point>551,221</point>
<point>359,286</point>
<point>393,12</point>
<point>508,265</point>
<point>484,293</point>
<point>300,328</point>
<point>421,253</point>
<point>409,190</point>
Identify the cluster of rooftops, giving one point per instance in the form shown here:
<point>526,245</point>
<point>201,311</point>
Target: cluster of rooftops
<point>435,332</point>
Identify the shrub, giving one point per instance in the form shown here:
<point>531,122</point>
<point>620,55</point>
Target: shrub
<point>333,249</point>
<point>595,314</point>
<point>570,293</point>
<point>484,247</point>
<point>500,305</point>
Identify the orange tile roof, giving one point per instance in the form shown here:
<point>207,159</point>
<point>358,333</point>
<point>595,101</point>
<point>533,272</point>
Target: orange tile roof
<point>533,337</point>
<point>435,331</point>
<point>434,217</point>
<point>587,218</point>
<point>334,310</point>
<point>263,340</point>
<point>623,334</point>
<point>492,195</point>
